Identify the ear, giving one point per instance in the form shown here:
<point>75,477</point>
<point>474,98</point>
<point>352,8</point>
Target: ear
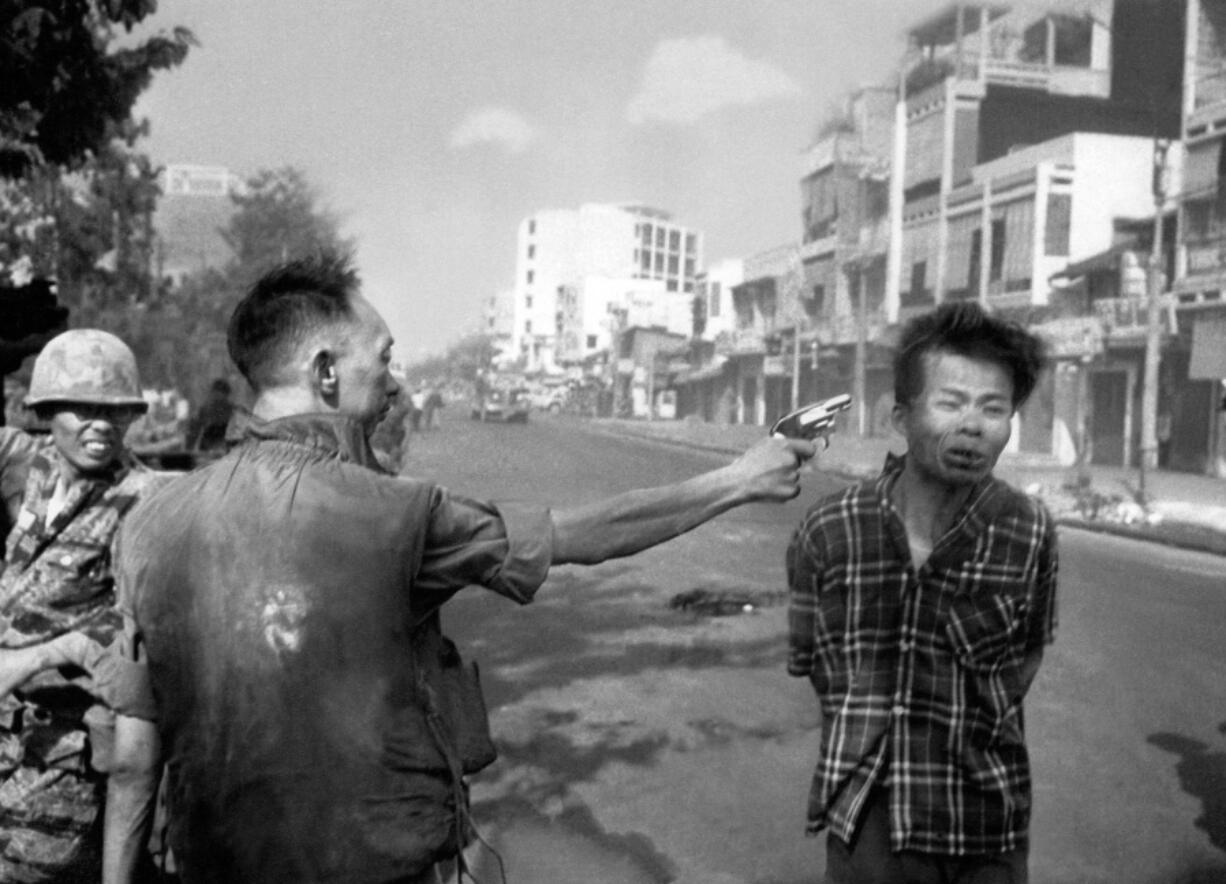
<point>323,373</point>
<point>898,418</point>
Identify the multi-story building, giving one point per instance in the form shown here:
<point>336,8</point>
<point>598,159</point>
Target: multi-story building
<point>993,80</point>
<point>194,208</point>
<point>557,249</point>
<point>845,240</point>
<point>592,312</point>
<point>1200,277</point>
<point>1028,143</point>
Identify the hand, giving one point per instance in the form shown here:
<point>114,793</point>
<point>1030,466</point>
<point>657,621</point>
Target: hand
<point>770,470</point>
<point>19,665</point>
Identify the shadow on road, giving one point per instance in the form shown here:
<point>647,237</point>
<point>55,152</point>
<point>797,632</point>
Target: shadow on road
<point>1202,774</point>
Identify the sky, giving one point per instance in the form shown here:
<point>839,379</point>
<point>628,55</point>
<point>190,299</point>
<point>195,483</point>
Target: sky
<point>432,128</point>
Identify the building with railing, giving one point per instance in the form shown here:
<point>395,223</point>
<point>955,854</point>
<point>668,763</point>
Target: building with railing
<point>1200,276</point>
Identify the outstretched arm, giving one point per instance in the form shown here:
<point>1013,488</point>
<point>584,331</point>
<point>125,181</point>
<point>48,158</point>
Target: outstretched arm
<point>631,522</point>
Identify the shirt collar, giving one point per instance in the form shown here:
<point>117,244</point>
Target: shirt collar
<point>986,502</point>
<point>330,433</point>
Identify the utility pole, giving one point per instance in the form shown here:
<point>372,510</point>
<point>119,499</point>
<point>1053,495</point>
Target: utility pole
<point>1148,459</point>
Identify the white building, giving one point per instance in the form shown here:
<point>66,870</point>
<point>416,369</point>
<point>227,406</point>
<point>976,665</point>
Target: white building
<point>715,286</point>
<point>561,250</point>
<point>1023,217</point>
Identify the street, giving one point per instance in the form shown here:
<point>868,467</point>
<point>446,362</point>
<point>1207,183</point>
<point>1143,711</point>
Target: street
<point>645,744</point>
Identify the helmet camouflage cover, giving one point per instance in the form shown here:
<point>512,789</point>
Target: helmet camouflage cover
<point>86,365</point>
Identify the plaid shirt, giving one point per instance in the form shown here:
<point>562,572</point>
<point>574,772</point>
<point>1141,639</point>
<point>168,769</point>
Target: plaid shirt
<point>920,675</point>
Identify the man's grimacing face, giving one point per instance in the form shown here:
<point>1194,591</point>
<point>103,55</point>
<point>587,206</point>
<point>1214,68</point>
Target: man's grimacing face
<point>363,366</point>
<point>90,437</point>
<point>960,423</point>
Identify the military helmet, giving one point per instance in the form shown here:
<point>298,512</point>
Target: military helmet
<point>86,365</point>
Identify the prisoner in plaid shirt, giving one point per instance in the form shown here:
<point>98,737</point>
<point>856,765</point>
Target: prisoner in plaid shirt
<point>921,602</point>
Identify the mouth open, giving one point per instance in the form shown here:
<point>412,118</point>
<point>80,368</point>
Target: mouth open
<point>965,459</point>
<point>97,448</point>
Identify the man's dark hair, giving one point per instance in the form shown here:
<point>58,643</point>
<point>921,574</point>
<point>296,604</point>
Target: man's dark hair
<point>963,328</point>
<point>284,307</point>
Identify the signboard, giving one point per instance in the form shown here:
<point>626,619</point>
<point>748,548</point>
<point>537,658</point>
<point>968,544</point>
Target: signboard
<point>773,366</point>
<point>1072,338</point>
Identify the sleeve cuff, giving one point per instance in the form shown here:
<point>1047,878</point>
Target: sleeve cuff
<point>529,549</point>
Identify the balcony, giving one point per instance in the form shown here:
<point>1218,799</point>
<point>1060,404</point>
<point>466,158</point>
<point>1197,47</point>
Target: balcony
<point>843,327</point>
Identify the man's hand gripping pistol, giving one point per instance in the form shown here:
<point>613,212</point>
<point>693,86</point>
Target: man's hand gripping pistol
<point>813,420</point>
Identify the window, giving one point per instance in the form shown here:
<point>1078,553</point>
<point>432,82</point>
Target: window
<point>972,270</point>
<point>713,304</point>
<point>674,240</point>
<point>671,285</point>
<point>919,276</point>
<point>530,276</point>
<point>819,294</point>
<point>527,302</point>
<point>660,237</point>
<point>1059,216</point>
<point>673,264</point>
<point>527,326</point>
<point>591,342</point>
<point>690,242</point>
<point>687,286</point>
<point>531,225</point>
<point>645,263</point>
<point>997,268</point>
<point>531,251</point>
<point>646,235</point>
<point>659,262</point>
<point>689,266</point>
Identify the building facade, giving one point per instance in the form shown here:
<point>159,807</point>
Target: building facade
<point>194,208</point>
<point>559,251</point>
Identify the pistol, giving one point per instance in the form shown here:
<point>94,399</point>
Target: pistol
<point>813,420</point>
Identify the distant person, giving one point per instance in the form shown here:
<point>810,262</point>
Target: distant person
<point>921,602</point>
<point>417,405</point>
<point>209,425</point>
<point>318,724</point>
<point>429,410</point>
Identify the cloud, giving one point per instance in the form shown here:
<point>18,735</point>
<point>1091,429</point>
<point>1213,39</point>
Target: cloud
<point>494,125</point>
<point>687,78</point>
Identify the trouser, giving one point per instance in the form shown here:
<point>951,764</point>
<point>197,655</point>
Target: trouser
<point>50,827</point>
<point>869,860</point>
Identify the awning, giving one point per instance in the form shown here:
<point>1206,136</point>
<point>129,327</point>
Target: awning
<point>706,372</point>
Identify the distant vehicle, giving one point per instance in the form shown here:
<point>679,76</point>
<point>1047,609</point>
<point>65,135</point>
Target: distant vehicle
<point>549,398</point>
<point>509,406</point>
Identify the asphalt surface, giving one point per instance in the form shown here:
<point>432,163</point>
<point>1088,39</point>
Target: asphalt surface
<point>640,743</point>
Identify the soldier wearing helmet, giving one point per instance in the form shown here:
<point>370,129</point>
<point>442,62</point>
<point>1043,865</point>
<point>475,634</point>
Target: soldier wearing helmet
<point>65,494</point>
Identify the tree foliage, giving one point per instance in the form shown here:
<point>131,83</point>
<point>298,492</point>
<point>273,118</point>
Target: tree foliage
<point>463,360</point>
<point>181,338</point>
<point>65,86</point>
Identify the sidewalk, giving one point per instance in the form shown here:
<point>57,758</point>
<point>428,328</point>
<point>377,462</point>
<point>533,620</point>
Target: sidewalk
<point>1184,509</point>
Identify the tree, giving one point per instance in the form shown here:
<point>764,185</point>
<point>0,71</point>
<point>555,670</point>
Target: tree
<point>279,216</point>
<point>180,336</point>
<point>64,86</point>
<point>464,360</point>
<point>73,190</point>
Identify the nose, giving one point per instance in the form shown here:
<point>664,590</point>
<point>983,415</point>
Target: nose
<point>972,423</point>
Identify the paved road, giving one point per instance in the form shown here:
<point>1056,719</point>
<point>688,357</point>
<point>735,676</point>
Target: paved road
<point>642,744</point>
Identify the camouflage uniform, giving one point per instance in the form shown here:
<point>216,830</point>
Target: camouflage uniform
<point>55,732</point>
